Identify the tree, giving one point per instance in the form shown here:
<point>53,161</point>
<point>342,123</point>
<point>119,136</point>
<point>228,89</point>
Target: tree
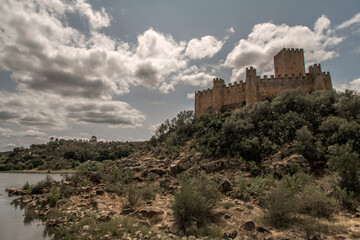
<point>93,139</point>
<point>346,162</point>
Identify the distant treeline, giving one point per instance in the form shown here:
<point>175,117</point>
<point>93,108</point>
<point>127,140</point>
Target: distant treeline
<point>65,154</point>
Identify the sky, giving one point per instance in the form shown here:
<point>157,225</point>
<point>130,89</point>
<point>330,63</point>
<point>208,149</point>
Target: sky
<point>116,69</point>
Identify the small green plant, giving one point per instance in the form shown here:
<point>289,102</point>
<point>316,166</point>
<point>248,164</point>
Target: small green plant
<point>27,186</point>
<point>46,183</point>
<point>66,190</point>
<point>53,196</point>
<point>313,201</point>
<point>280,205</point>
<point>209,232</point>
<point>227,205</point>
<point>133,195</point>
<point>241,188</point>
<point>196,199</point>
<point>346,198</point>
<point>148,192</point>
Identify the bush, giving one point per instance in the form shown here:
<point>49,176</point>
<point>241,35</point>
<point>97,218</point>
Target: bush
<point>53,196</point>
<point>313,201</point>
<point>280,205</point>
<point>46,183</point>
<point>27,186</point>
<point>306,145</point>
<point>133,195</point>
<point>195,200</point>
<point>346,162</point>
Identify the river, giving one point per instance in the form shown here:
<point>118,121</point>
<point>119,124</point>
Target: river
<point>12,220</point>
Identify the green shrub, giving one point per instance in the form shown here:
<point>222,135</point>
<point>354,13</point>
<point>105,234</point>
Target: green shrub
<point>46,183</point>
<point>209,232</point>
<point>134,195</point>
<point>346,162</point>
<point>346,198</point>
<point>313,201</point>
<point>241,188</point>
<point>27,186</point>
<point>280,204</point>
<point>227,205</point>
<point>196,199</point>
<point>53,196</point>
<point>296,182</point>
<point>66,190</point>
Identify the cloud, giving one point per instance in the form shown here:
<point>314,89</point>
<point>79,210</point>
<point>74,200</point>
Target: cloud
<point>96,19</point>
<point>190,96</point>
<point>193,76</point>
<point>50,111</point>
<point>166,88</point>
<point>29,133</point>
<point>267,39</point>
<point>207,46</point>
<point>354,20</point>
<point>115,113</point>
<point>352,85</point>
<point>230,30</point>
<point>58,69</point>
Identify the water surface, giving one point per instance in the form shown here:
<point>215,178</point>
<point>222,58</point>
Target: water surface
<point>12,225</point>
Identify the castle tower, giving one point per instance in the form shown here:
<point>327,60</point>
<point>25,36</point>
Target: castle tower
<point>251,86</point>
<point>218,94</point>
<point>321,80</point>
<point>289,61</point>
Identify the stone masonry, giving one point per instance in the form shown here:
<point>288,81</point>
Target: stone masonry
<point>289,71</point>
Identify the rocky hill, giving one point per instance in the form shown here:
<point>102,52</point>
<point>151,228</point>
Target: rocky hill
<point>281,169</point>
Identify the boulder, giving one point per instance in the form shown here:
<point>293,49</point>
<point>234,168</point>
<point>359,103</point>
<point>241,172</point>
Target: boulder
<point>214,166</point>
<point>263,230</point>
<point>225,186</point>
<point>248,226</point>
<point>158,171</point>
<point>231,234</point>
<point>149,212</point>
<point>179,166</point>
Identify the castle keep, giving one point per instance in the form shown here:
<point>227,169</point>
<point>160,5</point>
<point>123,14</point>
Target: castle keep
<point>289,69</point>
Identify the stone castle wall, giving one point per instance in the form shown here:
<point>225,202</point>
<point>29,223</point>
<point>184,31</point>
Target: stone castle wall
<point>290,71</point>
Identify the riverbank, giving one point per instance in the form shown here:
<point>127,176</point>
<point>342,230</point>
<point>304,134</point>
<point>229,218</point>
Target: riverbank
<point>135,198</point>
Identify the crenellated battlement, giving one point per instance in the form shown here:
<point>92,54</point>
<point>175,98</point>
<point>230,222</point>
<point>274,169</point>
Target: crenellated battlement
<point>289,71</point>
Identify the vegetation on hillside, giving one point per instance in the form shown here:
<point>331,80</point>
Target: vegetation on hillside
<point>170,178</point>
<point>65,154</point>
<point>313,122</point>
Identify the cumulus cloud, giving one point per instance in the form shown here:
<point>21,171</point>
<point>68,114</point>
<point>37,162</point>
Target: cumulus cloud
<point>352,85</point>
<point>166,88</point>
<point>207,46</point>
<point>115,113</point>
<point>354,20</point>
<point>44,54</point>
<point>190,96</point>
<point>267,39</point>
<point>194,76</point>
<point>97,19</point>
<point>63,74</point>
<point>29,133</point>
<point>49,111</point>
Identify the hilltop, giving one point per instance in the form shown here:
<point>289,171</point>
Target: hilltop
<point>282,169</point>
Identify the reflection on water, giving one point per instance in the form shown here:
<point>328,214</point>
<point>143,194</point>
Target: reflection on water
<point>17,223</point>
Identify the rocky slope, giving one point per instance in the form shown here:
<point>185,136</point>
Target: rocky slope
<point>95,210</point>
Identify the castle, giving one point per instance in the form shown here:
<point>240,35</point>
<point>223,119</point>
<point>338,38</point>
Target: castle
<point>289,71</point>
